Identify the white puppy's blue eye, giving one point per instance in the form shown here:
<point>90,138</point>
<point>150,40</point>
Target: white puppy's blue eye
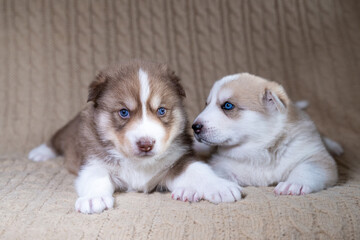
<point>161,111</point>
<point>124,113</point>
<point>227,106</point>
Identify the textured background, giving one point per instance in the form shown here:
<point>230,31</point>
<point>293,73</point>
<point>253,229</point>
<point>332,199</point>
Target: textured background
<point>51,50</point>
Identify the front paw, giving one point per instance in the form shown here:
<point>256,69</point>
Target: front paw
<point>286,188</point>
<point>186,194</point>
<point>91,205</point>
<point>223,191</point>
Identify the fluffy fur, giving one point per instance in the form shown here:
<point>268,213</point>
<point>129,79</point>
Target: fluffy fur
<point>264,139</point>
<point>132,136</point>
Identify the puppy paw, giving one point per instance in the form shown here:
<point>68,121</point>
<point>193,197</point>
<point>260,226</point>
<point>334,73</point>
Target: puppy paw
<point>41,153</point>
<point>186,195</point>
<point>224,191</point>
<point>94,204</point>
<point>286,188</point>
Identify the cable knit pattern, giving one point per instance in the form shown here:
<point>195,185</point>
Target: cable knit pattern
<point>51,50</point>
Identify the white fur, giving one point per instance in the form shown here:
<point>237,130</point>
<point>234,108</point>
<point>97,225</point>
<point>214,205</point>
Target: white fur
<point>41,153</point>
<point>199,182</point>
<point>332,146</point>
<point>136,175</point>
<point>251,164</point>
<point>243,145</point>
<point>147,128</point>
<point>144,87</point>
<point>302,104</point>
<point>97,181</point>
<point>95,188</point>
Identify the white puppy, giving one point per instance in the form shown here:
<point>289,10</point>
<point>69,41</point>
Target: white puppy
<point>262,138</point>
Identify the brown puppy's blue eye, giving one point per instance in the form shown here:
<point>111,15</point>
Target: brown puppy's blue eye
<point>161,111</point>
<point>124,113</point>
<point>227,106</point>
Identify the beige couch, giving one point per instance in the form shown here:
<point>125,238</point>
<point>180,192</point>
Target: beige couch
<point>50,51</point>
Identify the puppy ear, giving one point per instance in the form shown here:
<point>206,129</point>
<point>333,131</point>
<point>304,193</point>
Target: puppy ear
<point>96,87</point>
<point>275,102</point>
<point>176,81</point>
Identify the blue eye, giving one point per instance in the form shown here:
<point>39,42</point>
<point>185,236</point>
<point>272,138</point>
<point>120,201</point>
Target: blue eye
<point>124,113</point>
<point>228,106</point>
<point>161,111</point>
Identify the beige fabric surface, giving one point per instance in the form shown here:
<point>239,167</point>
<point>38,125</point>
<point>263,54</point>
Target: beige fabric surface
<point>51,50</point>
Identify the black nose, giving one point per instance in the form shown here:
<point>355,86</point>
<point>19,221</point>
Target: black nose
<point>197,127</point>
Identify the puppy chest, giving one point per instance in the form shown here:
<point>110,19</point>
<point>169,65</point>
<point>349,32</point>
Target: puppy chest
<point>129,179</point>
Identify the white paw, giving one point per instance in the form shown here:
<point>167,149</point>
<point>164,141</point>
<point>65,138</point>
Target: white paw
<point>286,188</point>
<point>223,191</point>
<point>41,153</point>
<point>94,204</point>
<point>186,195</point>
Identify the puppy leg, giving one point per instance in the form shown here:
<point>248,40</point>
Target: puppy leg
<point>59,143</point>
<point>95,190</point>
<point>198,181</point>
<point>307,178</point>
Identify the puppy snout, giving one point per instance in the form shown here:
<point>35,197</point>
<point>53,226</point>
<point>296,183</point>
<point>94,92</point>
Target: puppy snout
<point>145,144</point>
<point>197,127</point>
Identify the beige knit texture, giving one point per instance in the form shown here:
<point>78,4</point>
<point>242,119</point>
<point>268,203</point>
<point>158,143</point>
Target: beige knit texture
<point>51,50</point>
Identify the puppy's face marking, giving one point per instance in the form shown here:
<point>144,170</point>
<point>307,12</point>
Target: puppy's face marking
<point>140,111</point>
<point>240,108</point>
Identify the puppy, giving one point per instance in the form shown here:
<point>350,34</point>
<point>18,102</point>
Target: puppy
<point>262,138</point>
<point>132,136</point>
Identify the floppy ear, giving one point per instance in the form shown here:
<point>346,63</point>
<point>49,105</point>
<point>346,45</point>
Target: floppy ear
<point>275,102</point>
<point>176,81</point>
<point>96,87</point>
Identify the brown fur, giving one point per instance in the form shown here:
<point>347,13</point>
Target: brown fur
<point>250,93</point>
<point>64,142</point>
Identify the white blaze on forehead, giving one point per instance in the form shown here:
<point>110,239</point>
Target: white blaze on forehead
<point>218,84</point>
<point>146,127</point>
<point>144,90</point>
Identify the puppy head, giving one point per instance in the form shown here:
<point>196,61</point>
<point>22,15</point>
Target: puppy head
<point>138,108</point>
<point>241,108</point>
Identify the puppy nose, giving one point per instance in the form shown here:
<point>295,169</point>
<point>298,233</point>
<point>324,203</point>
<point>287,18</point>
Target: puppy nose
<point>145,144</point>
<point>197,127</point>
